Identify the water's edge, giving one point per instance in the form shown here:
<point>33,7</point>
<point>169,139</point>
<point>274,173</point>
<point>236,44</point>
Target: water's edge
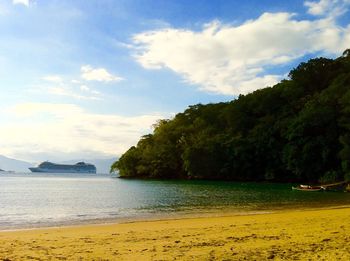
<point>161,217</point>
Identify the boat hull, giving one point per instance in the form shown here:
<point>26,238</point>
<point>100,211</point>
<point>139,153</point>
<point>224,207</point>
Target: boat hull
<point>309,189</point>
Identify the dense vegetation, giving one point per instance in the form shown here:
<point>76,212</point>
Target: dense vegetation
<point>297,130</point>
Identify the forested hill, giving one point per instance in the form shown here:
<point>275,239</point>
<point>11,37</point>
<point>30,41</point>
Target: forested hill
<point>297,130</point>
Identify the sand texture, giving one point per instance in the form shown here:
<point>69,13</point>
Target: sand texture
<point>288,235</point>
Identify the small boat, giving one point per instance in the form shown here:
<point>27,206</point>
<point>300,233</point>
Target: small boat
<point>308,188</point>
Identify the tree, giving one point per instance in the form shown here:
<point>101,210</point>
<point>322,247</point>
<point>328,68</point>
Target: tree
<point>346,53</point>
<point>297,130</point>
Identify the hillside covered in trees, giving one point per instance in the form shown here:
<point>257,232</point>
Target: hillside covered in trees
<point>297,130</point>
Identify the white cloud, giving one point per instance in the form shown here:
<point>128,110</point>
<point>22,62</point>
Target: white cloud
<point>67,129</point>
<point>32,109</point>
<point>68,92</point>
<point>60,87</point>
<point>86,89</point>
<point>330,8</point>
<point>22,2</point>
<point>97,74</point>
<point>53,78</point>
<point>235,60</point>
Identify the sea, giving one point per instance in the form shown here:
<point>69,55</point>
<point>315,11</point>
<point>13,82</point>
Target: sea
<point>29,200</point>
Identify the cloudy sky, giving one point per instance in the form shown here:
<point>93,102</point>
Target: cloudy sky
<point>86,79</point>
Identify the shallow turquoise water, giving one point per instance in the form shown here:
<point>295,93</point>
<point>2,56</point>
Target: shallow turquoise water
<point>28,200</point>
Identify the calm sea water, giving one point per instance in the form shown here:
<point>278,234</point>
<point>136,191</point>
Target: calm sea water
<point>34,200</point>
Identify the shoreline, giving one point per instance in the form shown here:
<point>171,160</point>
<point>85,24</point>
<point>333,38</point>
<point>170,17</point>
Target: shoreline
<point>130,220</point>
<point>206,213</point>
<point>302,234</point>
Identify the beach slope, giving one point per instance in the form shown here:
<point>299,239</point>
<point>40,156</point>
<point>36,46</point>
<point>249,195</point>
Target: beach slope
<point>308,234</point>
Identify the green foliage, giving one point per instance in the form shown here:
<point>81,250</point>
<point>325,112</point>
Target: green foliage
<point>297,130</point>
<point>329,177</point>
<point>347,177</point>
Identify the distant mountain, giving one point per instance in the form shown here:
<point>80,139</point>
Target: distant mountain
<point>102,165</point>
<point>13,164</point>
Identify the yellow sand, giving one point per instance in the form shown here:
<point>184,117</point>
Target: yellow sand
<point>298,235</point>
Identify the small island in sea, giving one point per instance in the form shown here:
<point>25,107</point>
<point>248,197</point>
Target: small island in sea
<point>6,171</point>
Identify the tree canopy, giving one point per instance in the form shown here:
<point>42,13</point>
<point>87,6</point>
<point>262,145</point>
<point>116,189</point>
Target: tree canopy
<point>297,130</point>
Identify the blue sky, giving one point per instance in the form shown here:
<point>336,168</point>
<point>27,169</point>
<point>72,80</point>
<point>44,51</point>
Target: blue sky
<point>85,79</point>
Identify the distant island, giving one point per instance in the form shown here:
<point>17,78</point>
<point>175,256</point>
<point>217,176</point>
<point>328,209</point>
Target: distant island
<point>297,130</point>
<point>14,164</point>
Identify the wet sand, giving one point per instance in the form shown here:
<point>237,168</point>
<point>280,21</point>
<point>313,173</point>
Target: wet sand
<point>299,235</point>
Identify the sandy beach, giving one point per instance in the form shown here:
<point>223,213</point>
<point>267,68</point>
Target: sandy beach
<point>300,235</point>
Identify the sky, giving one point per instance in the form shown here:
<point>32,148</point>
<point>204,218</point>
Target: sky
<point>86,79</point>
